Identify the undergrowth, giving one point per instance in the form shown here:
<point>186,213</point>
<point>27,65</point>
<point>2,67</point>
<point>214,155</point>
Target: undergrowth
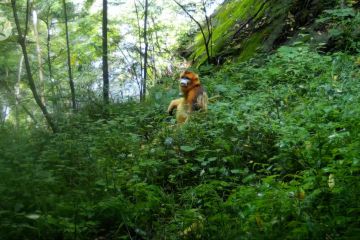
<point>276,157</point>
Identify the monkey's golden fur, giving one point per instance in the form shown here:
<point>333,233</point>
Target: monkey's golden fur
<point>194,98</point>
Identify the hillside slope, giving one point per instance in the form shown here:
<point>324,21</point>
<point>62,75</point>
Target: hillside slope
<point>241,28</point>
<point>276,157</point>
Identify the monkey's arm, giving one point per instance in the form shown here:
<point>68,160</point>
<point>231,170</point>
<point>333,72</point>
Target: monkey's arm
<point>198,100</point>
<point>202,102</point>
<point>174,104</point>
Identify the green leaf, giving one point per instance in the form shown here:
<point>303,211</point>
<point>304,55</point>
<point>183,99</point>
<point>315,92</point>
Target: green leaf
<point>186,148</point>
<point>33,216</point>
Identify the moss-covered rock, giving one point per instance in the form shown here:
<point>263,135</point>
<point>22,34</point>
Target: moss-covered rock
<point>242,27</point>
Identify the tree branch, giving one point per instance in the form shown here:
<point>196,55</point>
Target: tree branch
<point>249,20</point>
<point>206,40</point>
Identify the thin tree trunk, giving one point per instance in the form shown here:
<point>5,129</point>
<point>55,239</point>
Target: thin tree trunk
<point>49,53</point>
<point>28,8</point>
<point>16,94</point>
<point>105,67</point>
<point>249,20</point>
<point>38,51</point>
<point>71,81</point>
<point>133,67</point>
<point>31,82</point>
<point>48,45</point>
<point>17,91</point>
<point>48,48</point>
<point>210,31</point>
<point>145,51</point>
<point>48,23</point>
<point>3,114</point>
<point>153,61</point>
<point>54,84</point>
<point>140,49</point>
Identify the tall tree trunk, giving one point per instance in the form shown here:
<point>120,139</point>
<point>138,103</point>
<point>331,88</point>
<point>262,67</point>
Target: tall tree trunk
<point>49,65</point>
<point>145,51</point>
<point>105,54</point>
<point>54,84</point>
<point>139,80</point>
<point>71,81</point>
<point>48,45</point>
<point>31,82</point>
<point>38,51</point>
<point>17,91</point>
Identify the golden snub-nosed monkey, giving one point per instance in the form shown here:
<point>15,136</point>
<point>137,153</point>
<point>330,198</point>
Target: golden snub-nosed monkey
<point>194,97</point>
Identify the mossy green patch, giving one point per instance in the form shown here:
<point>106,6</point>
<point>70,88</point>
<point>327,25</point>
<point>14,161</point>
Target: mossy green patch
<point>245,18</point>
<point>251,45</point>
<point>228,17</point>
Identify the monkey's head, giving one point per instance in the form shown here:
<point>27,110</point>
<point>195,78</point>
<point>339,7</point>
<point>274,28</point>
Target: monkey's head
<point>188,80</point>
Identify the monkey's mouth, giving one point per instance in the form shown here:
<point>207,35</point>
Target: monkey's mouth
<point>184,82</point>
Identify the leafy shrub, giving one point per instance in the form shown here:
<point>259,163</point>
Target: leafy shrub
<point>276,157</point>
<point>342,25</point>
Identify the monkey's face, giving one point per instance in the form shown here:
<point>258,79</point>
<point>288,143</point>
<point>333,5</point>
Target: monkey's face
<point>188,80</point>
<point>184,81</point>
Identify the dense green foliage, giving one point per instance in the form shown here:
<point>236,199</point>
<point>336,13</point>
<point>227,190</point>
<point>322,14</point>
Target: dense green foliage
<point>276,156</point>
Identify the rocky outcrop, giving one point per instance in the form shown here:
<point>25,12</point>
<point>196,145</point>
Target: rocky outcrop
<point>243,27</point>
